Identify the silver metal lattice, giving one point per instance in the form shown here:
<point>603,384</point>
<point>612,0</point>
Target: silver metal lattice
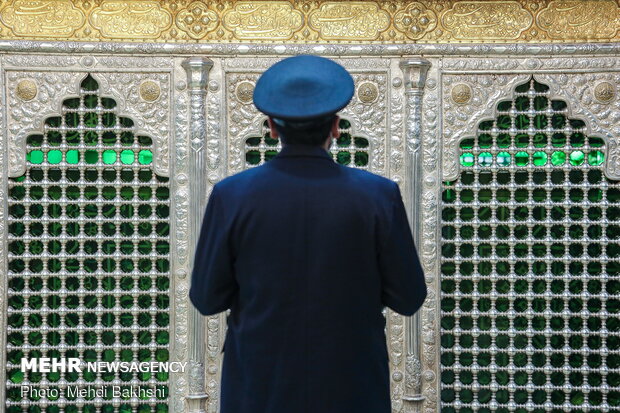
<point>530,266</point>
<point>88,263</point>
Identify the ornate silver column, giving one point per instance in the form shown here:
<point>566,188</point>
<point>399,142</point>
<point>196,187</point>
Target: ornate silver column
<point>414,73</point>
<point>197,69</point>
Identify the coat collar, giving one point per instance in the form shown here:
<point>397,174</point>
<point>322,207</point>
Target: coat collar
<point>291,150</point>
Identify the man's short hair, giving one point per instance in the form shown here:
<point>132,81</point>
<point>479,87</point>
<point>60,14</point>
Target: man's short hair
<point>307,132</point>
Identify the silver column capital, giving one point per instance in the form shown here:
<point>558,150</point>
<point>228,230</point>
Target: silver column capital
<point>414,72</point>
<point>197,69</point>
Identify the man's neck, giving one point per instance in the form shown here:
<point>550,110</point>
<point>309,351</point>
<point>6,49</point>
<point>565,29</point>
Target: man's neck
<point>325,145</point>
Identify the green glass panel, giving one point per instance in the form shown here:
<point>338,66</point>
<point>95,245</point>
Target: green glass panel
<point>145,175</point>
<point>361,158</point>
<point>503,159</point>
<point>596,158</point>
<point>253,141</point>
<point>467,159</point>
<point>109,157</point>
<point>344,139</point>
<point>503,122</point>
<point>162,193</point>
<point>145,141</point>
<point>162,211</point>
<point>522,158</point>
<point>17,193</point>
<point>34,140</point>
<point>251,157</point>
<point>361,142</point>
<point>522,122</point>
<point>145,157</point>
<point>162,247</point>
<point>89,84</point>
<point>127,157</point>
<point>539,158</point>
<point>91,120</point>
<point>127,138</point>
<point>35,157</point>
<point>72,156</point>
<point>485,140</point>
<point>503,140</point>
<point>54,157</point>
<point>558,158</point>
<point>485,159</point>
<point>91,157</point>
<point>577,139</point>
<point>144,192</point>
<point>343,157</point>
<point>466,144</point>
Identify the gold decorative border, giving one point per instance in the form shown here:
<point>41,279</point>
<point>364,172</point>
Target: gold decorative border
<point>313,21</point>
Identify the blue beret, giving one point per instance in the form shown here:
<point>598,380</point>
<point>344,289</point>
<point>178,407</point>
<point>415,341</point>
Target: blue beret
<point>303,87</point>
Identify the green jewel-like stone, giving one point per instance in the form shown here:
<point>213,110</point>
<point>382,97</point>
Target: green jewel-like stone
<point>467,159</point>
<point>558,158</point>
<point>539,158</point>
<point>72,156</point>
<point>343,157</point>
<point>54,157</point>
<point>596,158</point>
<point>145,157</point>
<point>109,157</point>
<point>35,157</point>
<point>16,375</point>
<point>576,158</point>
<point>503,159</point>
<point>128,156</point>
<point>522,158</point>
<point>485,159</point>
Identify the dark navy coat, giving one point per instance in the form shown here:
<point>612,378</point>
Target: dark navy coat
<point>306,253</point>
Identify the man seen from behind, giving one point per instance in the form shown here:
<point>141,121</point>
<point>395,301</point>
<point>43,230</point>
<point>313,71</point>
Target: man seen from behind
<point>305,253</point>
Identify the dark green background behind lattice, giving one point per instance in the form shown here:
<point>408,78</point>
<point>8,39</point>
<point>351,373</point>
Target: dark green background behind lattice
<point>346,150</point>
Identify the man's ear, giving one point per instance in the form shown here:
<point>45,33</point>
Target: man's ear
<point>335,132</point>
<point>272,129</point>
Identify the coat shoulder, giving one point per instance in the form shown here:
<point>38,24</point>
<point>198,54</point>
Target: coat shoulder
<point>353,178</point>
<point>241,180</point>
<point>370,181</point>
